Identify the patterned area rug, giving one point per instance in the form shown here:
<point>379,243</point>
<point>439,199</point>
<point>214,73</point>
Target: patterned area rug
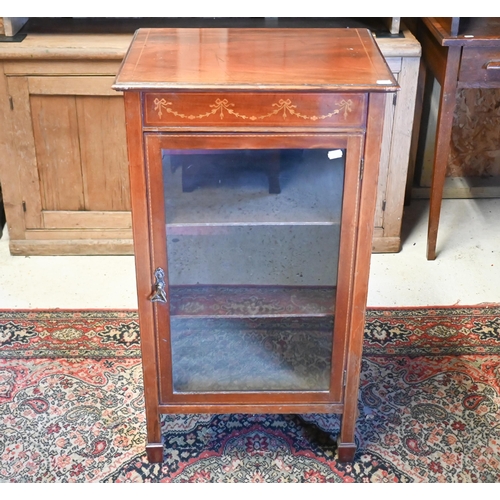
<point>71,407</point>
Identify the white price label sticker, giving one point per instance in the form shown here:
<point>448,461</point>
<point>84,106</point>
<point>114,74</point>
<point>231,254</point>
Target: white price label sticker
<point>336,153</point>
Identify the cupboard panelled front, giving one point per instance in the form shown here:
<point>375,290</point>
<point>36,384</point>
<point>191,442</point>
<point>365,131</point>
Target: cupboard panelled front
<point>63,141</point>
<point>253,170</point>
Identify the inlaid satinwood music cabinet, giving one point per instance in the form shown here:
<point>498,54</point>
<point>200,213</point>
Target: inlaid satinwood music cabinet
<point>253,158</point>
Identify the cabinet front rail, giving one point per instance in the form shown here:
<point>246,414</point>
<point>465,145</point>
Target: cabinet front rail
<point>336,408</point>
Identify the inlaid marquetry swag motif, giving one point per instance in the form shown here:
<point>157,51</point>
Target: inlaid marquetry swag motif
<point>283,106</point>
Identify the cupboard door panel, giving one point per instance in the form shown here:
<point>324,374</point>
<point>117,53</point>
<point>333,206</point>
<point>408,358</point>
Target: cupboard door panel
<point>101,122</point>
<point>55,128</point>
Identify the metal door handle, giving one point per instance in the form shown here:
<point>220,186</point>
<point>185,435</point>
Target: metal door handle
<point>159,294</point>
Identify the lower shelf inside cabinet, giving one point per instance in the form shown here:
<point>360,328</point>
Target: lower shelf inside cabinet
<point>249,338</point>
<point>252,301</point>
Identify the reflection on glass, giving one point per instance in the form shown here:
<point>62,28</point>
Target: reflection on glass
<point>252,247</point>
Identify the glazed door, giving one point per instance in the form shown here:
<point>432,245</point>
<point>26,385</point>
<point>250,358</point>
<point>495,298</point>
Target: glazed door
<point>252,262</point>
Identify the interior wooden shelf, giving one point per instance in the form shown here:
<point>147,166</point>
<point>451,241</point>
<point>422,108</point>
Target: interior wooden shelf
<point>252,301</point>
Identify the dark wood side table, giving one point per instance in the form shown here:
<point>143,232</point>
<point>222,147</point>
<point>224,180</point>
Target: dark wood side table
<point>252,298</point>
<point>460,53</point>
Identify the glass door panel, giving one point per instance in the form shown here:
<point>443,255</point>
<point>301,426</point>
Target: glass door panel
<point>252,251</point>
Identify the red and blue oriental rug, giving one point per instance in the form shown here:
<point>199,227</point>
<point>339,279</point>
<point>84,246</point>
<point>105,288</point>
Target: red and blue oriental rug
<point>72,409</point>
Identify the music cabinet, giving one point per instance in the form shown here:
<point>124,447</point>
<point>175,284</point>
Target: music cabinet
<point>253,158</point>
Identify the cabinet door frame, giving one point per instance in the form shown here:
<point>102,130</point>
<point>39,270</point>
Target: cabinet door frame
<point>24,151</point>
<point>353,145</point>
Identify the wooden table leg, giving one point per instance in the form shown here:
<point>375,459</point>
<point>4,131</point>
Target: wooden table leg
<point>346,444</point>
<point>442,148</point>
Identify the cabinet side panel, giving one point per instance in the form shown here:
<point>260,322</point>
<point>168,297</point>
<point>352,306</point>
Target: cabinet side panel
<point>385,160</point>
<point>55,127</point>
<point>101,122</point>
<point>362,255</point>
<point>400,147</point>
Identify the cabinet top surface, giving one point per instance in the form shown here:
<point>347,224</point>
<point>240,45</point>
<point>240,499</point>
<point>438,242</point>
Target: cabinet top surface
<point>254,59</point>
<point>471,31</point>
